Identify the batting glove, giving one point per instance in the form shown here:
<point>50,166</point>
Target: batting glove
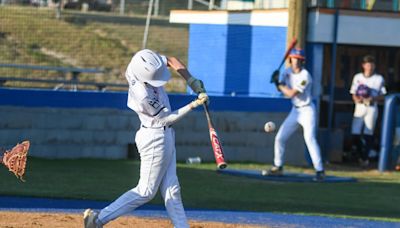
<point>275,79</point>
<point>196,85</point>
<point>201,99</point>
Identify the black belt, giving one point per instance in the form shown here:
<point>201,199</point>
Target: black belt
<point>164,127</point>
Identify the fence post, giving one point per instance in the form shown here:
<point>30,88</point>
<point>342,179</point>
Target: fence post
<point>190,4</point>
<point>387,131</point>
<point>122,7</point>
<point>146,29</point>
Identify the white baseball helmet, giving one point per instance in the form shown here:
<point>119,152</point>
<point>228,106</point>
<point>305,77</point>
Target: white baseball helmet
<point>148,66</point>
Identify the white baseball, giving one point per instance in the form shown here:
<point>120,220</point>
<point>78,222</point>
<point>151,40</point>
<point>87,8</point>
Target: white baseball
<point>269,126</point>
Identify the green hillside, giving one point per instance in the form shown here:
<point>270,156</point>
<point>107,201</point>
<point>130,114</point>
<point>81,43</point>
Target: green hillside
<point>34,36</point>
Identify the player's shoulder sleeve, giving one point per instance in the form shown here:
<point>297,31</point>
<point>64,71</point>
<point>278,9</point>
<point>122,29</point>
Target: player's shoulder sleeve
<point>355,83</point>
<point>136,93</point>
<point>129,74</point>
<point>302,81</point>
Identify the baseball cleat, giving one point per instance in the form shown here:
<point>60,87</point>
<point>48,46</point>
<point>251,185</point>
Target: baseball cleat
<point>319,176</point>
<point>274,171</point>
<point>89,219</point>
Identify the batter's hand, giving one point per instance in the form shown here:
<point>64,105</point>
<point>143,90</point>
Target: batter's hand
<point>201,99</point>
<point>196,85</point>
<point>275,79</point>
<point>367,101</point>
<point>357,99</point>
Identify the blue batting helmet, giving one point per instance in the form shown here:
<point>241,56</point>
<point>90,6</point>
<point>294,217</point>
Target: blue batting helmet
<point>297,53</point>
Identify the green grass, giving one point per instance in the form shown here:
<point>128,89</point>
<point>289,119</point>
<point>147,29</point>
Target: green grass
<point>34,36</point>
<point>374,196</point>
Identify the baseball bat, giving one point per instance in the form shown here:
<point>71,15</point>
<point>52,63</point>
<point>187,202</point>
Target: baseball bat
<point>291,46</point>
<point>215,142</point>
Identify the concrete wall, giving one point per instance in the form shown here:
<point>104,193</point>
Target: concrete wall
<point>242,136</point>
<point>63,124</point>
<point>68,133</point>
<point>106,133</point>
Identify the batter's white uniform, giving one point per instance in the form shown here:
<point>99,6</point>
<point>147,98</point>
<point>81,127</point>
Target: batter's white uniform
<point>302,113</point>
<point>366,115</point>
<point>156,145</point>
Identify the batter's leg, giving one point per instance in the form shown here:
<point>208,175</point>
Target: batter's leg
<point>357,126</point>
<point>356,145</point>
<point>370,120</point>
<point>170,191</point>
<point>308,122</point>
<point>287,128</point>
<point>154,163</point>
<point>369,126</point>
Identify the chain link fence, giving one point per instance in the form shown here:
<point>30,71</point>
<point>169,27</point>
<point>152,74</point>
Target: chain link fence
<point>32,33</point>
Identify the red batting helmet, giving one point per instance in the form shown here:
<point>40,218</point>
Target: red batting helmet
<point>297,53</point>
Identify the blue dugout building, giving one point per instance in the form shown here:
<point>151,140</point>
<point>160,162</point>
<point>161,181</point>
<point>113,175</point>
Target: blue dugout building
<point>235,52</point>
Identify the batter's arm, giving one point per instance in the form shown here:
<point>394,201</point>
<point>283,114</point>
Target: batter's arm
<point>288,92</point>
<point>195,84</point>
<point>166,119</point>
<point>179,67</point>
<point>173,117</point>
<point>356,99</point>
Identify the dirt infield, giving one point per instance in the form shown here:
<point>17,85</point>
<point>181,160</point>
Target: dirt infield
<point>54,220</point>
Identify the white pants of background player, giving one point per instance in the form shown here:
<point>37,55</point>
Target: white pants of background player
<point>157,169</point>
<point>304,116</point>
<point>364,116</point>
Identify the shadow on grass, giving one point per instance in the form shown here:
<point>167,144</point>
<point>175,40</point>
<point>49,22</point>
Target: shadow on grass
<point>217,191</point>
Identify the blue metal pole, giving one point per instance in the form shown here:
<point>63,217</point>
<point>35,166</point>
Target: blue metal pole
<point>333,78</point>
<point>331,3</point>
<point>387,131</point>
<point>363,4</point>
<point>395,5</point>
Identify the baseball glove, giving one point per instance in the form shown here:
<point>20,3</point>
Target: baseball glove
<point>363,91</point>
<point>15,159</point>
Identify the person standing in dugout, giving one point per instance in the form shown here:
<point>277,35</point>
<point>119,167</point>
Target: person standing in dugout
<point>296,84</point>
<point>147,73</point>
<point>367,89</point>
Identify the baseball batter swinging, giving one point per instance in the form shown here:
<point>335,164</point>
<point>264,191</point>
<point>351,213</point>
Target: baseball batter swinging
<point>295,83</point>
<point>147,73</point>
<point>367,89</point>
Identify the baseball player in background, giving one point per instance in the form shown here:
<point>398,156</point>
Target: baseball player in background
<point>295,83</point>
<point>367,89</point>
<point>147,73</point>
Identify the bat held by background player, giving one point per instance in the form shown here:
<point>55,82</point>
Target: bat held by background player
<point>275,75</point>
